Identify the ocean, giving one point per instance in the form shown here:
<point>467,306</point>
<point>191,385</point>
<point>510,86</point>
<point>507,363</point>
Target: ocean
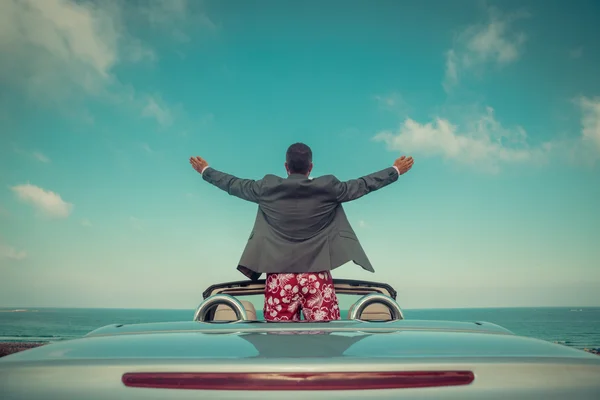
<point>577,327</point>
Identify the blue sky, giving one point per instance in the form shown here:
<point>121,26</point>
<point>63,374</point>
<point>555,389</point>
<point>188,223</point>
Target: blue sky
<point>102,104</point>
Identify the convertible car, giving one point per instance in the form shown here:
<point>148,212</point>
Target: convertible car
<point>225,351</point>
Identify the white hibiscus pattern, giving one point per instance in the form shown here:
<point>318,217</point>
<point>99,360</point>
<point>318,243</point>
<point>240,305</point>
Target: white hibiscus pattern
<point>312,293</point>
<point>278,280</point>
<point>328,292</point>
<point>289,293</point>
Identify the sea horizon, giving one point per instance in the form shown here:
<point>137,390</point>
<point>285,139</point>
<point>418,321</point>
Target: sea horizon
<point>25,308</point>
<point>577,326</point>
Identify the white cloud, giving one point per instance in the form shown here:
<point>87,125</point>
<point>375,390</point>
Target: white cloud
<point>54,51</point>
<point>56,42</point>
<point>393,102</point>
<point>37,155</point>
<point>451,69</point>
<point>146,147</point>
<point>388,100</point>
<point>362,224</point>
<point>576,52</point>
<point>481,142</point>
<point>590,109</point>
<point>171,15</point>
<point>40,157</point>
<point>9,252</point>
<point>157,109</point>
<point>479,45</point>
<point>49,203</point>
<point>163,12</point>
<point>86,222</point>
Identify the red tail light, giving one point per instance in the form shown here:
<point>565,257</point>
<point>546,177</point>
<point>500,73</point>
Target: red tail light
<point>298,381</point>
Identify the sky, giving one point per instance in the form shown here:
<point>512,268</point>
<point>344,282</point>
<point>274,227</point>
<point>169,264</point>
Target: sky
<point>103,102</point>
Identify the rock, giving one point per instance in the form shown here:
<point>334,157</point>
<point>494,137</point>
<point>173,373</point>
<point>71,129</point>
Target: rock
<point>7,348</point>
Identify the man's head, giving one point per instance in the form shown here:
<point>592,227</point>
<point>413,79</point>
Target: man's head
<point>298,159</point>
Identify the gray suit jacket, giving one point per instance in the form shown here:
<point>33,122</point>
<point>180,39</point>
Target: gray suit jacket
<point>300,225</point>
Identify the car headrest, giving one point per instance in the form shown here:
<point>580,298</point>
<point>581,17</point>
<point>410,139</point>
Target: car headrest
<point>225,313</point>
<point>376,312</point>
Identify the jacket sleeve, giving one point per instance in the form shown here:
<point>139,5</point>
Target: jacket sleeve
<point>246,189</point>
<point>356,188</point>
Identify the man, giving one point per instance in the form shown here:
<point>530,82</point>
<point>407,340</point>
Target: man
<point>301,232</point>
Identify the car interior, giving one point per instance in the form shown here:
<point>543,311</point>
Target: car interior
<point>373,312</point>
<point>224,313</point>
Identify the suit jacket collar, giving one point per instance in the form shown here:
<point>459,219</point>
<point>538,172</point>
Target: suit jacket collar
<point>297,176</point>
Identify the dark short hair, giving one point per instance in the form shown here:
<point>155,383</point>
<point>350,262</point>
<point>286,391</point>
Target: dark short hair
<point>298,158</point>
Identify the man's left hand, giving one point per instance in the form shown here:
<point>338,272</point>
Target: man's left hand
<point>198,163</point>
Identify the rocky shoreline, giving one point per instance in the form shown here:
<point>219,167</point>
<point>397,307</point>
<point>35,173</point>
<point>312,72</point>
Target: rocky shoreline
<point>7,348</point>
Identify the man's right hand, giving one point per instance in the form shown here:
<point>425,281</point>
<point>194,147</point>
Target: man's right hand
<point>403,164</point>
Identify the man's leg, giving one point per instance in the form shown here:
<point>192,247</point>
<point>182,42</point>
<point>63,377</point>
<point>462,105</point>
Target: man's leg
<point>282,298</point>
<point>319,301</point>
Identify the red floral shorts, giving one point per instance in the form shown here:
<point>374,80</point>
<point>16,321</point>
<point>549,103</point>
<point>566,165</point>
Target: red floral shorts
<point>312,293</point>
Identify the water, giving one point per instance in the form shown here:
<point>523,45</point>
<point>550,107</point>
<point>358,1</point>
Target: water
<point>577,327</point>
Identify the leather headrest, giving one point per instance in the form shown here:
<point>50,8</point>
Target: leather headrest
<point>225,313</point>
<point>376,312</point>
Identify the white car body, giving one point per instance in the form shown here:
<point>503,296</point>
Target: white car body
<point>347,359</point>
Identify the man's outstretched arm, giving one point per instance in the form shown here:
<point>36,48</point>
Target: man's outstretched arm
<point>356,188</point>
<point>246,189</point>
